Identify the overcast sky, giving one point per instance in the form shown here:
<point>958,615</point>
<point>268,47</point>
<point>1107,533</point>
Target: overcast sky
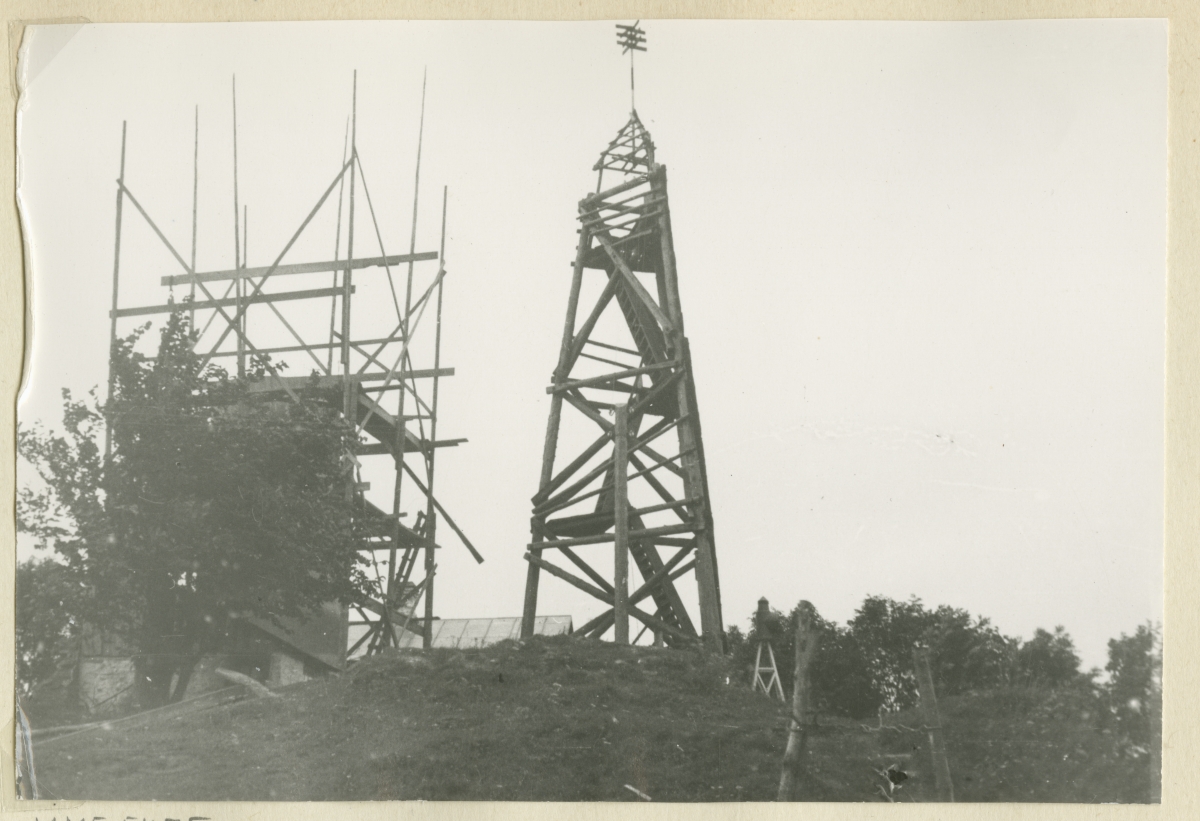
<point>922,267</point>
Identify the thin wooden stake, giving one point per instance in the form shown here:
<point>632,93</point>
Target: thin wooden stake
<point>337,248</point>
<point>431,512</point>
<point>348,403</point>
<point>237,250</point>
<point>195,202</point>
<point>937,743</point>
<point>806,647</point>
<point>401,422</point>
<point>112,337</point>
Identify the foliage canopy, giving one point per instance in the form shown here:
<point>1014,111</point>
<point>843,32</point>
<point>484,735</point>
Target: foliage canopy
<point>866,665</point>
<point>216,505</point>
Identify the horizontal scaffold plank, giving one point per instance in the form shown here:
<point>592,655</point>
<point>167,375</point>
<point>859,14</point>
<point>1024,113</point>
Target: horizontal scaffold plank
<point>589,201</point>
<point>421,445</point>
<point>229,302</point>
<point>609,378</point>
<point>634,535</point>
<point>300,268</point>
<point>278,383</point>
<point>317,346</point>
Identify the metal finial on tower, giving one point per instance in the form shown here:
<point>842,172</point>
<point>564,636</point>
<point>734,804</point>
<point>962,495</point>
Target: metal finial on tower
<point>630,39</point>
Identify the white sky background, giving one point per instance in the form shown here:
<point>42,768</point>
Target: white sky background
<point>922,268</point>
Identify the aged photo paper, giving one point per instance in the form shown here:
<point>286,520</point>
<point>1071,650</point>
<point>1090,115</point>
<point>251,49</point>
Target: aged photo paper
<point>321,506</point>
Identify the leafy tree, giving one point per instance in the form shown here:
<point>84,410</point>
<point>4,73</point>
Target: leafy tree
<point>65,514</point>
<point>867,664</point>
<point>215,505</point>
<point>47,634</point>
<point>1135,689</point>
<point>886,631</point>
<point>1048,659</point>
<point>839,677</point>
<point>966,652</point>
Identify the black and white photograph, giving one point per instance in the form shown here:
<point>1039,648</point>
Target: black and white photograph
<point>640,410</point>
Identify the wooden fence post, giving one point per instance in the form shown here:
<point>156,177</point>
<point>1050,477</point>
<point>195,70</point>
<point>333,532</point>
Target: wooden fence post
<point>933,721</point>
<point>806,647</point>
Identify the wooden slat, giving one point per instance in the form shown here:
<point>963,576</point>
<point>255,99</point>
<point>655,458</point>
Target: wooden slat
<point>286,296</point>
<point>634,535</point>
<point>668,604</point>
<point>567,497</point>
<point>422,445</point>
<point>591,199</point>
<point>438,505</point>
<point>586,568</point>
<point>593,381</point>
<point>652,480</point>
<point>571,352</point>
<point>670,542</point>
<point>613,362</point>
<point>587,408</point>
<point>635,284</point>
<point>663,574</point>
<point>579,461</point>
<point>569,471</point>
<point>293,348</point>
<point>655,623</point>
<point>647,196</point>
<point>656,391</point>
<point>613,347</point>
<point>603,621</point>
<point>551,507</point>
<point>641,511</point>
<point>300,268</point>
<point>569,578</point>
<point>275,383</point>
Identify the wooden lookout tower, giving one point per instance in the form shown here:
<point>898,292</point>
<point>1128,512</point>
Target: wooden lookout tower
<point>633,475</point>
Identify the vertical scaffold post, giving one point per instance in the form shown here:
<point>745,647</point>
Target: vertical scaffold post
<point>112,336</point>
<point>430,510</point>
<point>401,443</point>
<point>239,281</point>
<point>195,205</point>
<point>348,399</point>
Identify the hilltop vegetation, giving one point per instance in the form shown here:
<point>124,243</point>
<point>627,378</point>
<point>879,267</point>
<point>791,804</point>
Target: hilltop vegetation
<point>565,720</point>
<point>213,506</point>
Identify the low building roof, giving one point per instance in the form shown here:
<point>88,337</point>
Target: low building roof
<point>467,633</point>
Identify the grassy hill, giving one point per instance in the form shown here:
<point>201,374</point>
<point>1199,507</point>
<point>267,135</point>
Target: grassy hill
<point>566,720</point>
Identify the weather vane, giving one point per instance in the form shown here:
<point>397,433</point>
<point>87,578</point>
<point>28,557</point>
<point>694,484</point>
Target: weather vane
<point>631,39</point>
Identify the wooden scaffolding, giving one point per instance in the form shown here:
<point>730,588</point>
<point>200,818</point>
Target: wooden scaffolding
<point>392,403</point>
